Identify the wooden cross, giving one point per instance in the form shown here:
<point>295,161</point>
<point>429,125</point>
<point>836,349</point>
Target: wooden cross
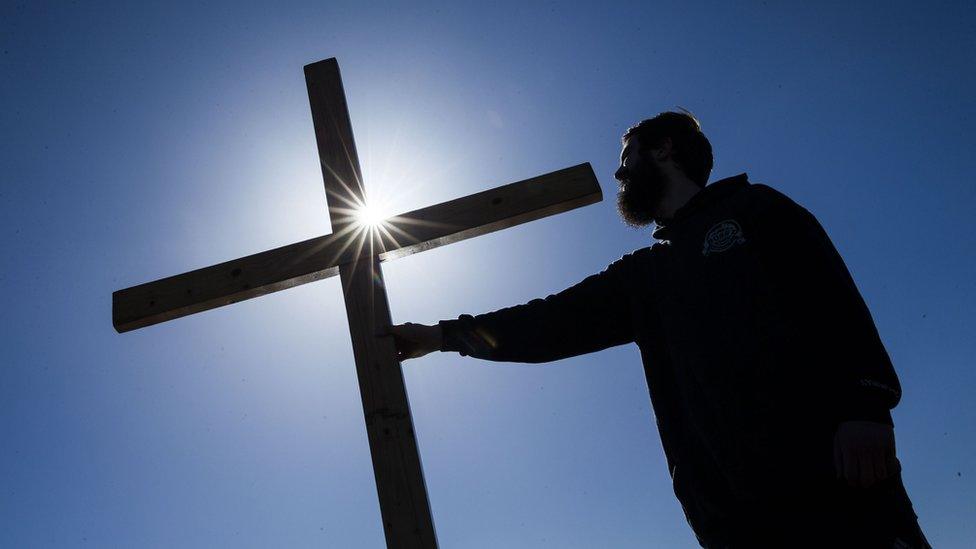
<point>354,251</point>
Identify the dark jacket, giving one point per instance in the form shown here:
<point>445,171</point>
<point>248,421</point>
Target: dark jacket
<point>754,339</point>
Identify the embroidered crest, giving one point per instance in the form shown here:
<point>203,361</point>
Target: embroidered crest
<point>722,236</point>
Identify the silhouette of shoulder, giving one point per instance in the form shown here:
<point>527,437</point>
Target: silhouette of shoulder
<point>769,199</point>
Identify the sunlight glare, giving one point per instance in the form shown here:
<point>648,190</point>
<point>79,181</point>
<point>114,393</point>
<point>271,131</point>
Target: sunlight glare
<point>372,214</point>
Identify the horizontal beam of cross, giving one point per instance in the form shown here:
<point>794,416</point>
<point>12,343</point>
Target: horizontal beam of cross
<point>318,258</point>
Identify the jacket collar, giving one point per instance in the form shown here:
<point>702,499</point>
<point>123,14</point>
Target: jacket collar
<point>711,193</point>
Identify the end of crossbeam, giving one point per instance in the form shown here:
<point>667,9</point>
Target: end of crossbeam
<point>121,321</point>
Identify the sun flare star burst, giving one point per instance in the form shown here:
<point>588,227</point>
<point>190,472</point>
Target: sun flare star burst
<point>371,215</point>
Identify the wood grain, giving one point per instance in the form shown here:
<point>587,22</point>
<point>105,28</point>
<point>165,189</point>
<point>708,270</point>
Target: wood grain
<point>318,258</point>
<point>404,506</point>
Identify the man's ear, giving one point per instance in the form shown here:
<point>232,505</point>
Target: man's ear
<point>663,151</point>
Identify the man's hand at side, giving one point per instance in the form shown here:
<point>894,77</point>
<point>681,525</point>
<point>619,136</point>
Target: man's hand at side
<point>864,452</point>
<point>413,340</point>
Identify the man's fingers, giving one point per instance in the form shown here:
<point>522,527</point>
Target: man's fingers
<point>411,340</point>
<point>394,329</point>
<point>881,466</point>
<point>850,467</point>
<point>406,351</point>
<point>864,452</point>
<point>838,459</point>
<point>405,354</point>
<point>865,466</point>
<point>892,464</point>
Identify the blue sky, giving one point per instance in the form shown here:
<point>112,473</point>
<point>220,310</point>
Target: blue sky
<point>141,140</point>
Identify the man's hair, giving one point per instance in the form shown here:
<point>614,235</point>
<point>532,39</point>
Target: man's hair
<point>692,150</point>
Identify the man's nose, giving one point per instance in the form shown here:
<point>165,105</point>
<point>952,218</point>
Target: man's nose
<point>620,174</point>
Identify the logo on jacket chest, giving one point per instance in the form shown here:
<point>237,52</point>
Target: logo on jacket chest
<point>722,236</point>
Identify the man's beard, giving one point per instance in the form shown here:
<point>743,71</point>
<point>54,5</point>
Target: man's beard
<point>639,197</point>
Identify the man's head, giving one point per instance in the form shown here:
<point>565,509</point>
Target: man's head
<point>665,160</point>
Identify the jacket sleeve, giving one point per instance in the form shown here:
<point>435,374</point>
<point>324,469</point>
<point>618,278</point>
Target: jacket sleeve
<point>589,316</point>
<point>855,370</point>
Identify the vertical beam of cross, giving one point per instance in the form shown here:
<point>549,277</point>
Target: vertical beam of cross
<point>404,505</point>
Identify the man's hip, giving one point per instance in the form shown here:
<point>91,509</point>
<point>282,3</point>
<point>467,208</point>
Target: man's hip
<point>834,515</point>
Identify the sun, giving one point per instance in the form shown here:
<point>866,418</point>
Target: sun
<point>372,215</point>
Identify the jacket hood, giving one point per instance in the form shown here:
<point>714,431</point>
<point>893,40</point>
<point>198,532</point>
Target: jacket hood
<point>711,193</point>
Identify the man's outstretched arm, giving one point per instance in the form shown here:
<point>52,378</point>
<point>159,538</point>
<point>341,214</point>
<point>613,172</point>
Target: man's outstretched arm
<point>592,315</point>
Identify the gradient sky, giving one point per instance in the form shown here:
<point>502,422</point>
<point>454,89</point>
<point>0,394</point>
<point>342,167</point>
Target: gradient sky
<point>141,140</point>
